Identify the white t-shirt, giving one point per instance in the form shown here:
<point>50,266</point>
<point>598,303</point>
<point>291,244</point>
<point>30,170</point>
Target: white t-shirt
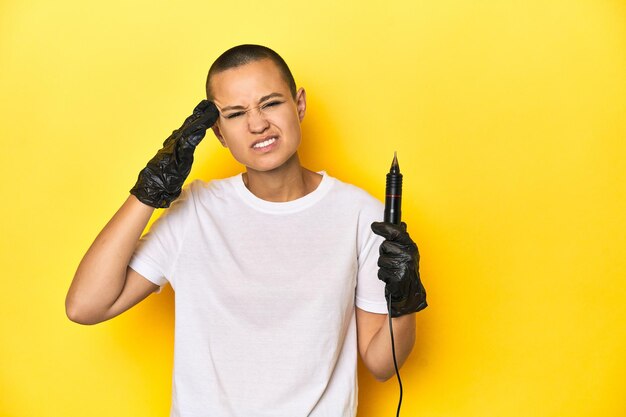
<point>264,297</point>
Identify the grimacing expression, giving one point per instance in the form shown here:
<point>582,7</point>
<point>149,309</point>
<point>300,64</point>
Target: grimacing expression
<point>259,119</point>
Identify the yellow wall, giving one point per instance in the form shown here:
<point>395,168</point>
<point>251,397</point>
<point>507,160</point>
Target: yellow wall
<point>509,122</point>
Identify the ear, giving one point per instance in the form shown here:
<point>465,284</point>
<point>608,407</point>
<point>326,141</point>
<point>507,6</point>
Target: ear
<point>218,134</point>
<point>301,103</point>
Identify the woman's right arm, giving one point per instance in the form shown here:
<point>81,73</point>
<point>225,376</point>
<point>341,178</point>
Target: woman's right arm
<point>104,286</point>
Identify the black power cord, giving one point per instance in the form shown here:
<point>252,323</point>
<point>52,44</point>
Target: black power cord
<point>395,362</point>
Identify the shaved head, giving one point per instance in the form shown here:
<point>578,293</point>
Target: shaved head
<point>244,54</point>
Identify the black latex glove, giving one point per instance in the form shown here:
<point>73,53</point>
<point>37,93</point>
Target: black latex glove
<point>161,181</point>
<point>399,269</point>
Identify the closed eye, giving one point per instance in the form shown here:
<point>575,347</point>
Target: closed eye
<point>234,115</point>
<point>272,104</point>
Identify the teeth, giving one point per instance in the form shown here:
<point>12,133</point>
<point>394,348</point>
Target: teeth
<point>265,143</point>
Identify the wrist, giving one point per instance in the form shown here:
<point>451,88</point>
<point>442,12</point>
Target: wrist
<point>134,201</point>
<point>411,300</point>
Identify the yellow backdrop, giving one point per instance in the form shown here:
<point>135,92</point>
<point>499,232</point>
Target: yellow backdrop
<point>509,122</point>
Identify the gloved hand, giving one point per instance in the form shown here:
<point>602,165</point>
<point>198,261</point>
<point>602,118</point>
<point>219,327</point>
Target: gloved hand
<point>399,269</point>
<point>161,181</point>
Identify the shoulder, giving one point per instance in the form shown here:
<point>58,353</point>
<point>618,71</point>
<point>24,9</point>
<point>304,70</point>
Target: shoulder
<point>199,189</point>
<point>199,186</point>
<point>197,193</point>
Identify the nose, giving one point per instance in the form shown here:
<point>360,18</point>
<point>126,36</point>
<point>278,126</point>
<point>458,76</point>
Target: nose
<point>257,123</point>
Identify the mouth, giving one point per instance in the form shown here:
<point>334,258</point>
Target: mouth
<point>264,143</point>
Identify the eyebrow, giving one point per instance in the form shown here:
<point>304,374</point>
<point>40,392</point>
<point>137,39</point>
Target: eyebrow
<point>261,100</point>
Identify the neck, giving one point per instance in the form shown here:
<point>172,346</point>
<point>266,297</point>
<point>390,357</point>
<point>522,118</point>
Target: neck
<point>286,183</point>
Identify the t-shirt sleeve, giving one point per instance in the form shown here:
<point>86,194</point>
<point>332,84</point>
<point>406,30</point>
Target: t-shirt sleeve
<point>157,251</point>
<point>370,291</point>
